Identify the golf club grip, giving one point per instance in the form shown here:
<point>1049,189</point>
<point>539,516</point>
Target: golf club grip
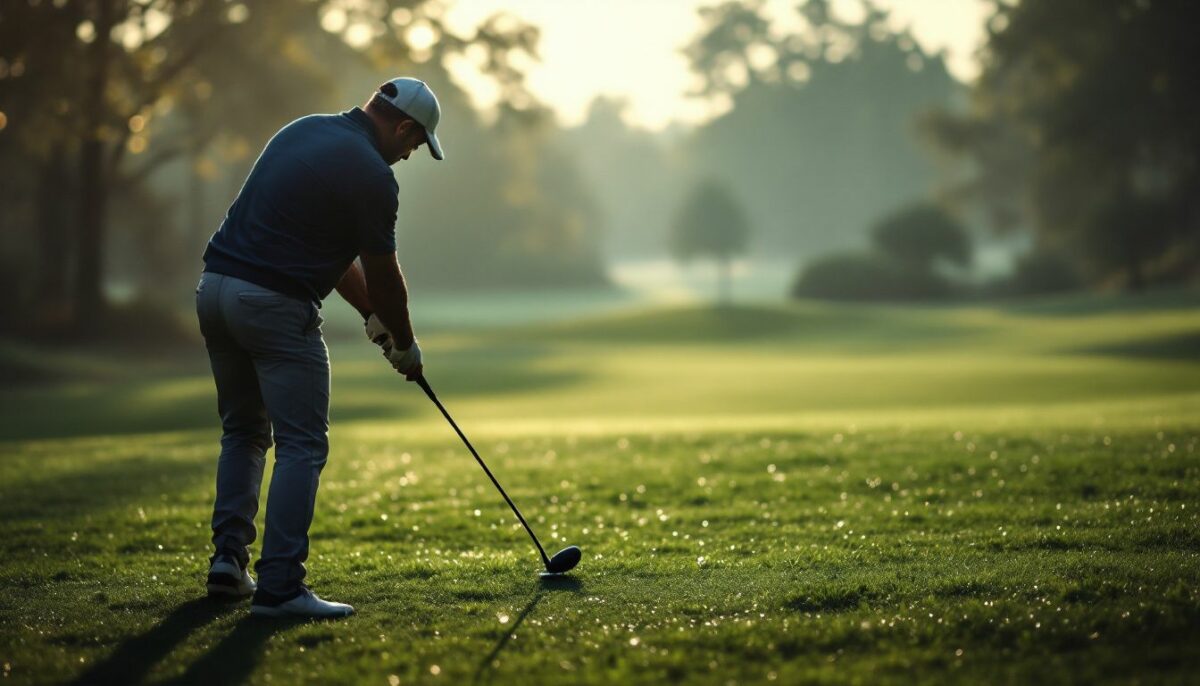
<point>433,396</point>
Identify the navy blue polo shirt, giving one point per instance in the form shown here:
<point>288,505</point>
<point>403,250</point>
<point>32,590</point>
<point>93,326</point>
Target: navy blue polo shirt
<point>319,194</point>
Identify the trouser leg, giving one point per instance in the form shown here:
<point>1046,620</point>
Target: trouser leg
<point>244,443</point>
<point>246,430</point>
<point>296,391</point>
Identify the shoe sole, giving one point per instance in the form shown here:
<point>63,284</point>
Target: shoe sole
<point>268,611</point>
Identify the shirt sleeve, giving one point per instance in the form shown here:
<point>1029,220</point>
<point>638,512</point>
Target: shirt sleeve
<point>374,209</point>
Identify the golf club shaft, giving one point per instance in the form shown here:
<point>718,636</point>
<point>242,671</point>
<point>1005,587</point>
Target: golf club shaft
<point>433,396</point>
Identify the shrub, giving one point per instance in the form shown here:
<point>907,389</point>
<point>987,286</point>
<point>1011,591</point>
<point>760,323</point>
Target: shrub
<point>868,277</point>
<point>1040,273</point>
<point>921,235</point>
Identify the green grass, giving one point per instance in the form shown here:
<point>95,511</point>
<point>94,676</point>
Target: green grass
<point>787,494</point>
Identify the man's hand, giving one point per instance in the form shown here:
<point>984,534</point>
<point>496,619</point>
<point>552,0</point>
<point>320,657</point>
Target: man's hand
<point>379,334</point>
<point>407,362</point>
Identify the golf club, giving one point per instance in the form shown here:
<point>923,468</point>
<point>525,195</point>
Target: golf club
<point>565,559</point>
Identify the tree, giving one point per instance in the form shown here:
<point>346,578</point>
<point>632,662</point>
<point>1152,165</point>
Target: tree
<point>907,248</point>
<point>868,277</point>
<point>99,97</point>
<point>921,235</point>
<point>91,79</point>
<point>1084,126</point>
<point>711,223</point>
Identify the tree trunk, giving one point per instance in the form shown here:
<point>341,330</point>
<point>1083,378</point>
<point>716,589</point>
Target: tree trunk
<point>55,255</point>
<point>724,280</point>
<point>93,182</point>
<point>1136,277</point>
<point>199,223</point>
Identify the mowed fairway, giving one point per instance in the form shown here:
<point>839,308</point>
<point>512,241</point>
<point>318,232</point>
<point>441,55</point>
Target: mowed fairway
<point>762,494</point>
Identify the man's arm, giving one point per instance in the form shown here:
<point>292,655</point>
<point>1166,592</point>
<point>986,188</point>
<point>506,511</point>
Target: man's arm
<point>353,289</point>
<point>387,296</point>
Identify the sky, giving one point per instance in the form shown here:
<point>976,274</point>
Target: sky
<point>630,49</point>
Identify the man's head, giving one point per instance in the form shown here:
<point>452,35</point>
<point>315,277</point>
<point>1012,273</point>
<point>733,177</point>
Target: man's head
<point>406,113</point>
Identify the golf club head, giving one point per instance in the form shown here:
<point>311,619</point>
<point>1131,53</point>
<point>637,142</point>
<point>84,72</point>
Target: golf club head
<point>564,560</point>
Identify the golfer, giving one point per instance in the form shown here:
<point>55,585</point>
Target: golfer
<point>320,195</point>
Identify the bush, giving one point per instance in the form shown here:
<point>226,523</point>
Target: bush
<point>868,277</point>
<point>922,234</point>
<point>1040,273</point>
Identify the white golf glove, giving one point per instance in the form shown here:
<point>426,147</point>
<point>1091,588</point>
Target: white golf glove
<point>379,334</point>
<point>407,362</point>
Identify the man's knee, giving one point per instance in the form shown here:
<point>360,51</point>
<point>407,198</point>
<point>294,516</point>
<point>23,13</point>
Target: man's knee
<point>252,437</point>
<point>310,449</point>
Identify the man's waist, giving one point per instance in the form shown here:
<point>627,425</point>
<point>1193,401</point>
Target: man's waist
<point>267,278</point>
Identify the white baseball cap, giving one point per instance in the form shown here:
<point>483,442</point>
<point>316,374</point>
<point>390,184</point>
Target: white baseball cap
<point>414,98</point>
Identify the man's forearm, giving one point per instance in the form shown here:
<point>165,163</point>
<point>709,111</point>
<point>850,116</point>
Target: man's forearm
<point>353,289</point>
<point>388,297</point>
<point>391,306</point>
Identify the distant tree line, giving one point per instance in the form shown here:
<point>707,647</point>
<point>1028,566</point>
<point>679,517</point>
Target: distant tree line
<point>819,139</point>
<point>922,252</point>
<point>815,136</point>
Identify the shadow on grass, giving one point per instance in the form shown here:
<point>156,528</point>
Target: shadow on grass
<point>40,498</point>
<point>232,661</point>
<point>187,400</point>
<point>1184,346</point>
<point>133,659</point>
<point>1090,304</point>
<point>545,584</point>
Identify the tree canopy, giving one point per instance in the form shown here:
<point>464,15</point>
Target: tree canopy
<point>1085,127</point>
<point>134,114</point>
<point>922,234</point>
<point>711,223</point>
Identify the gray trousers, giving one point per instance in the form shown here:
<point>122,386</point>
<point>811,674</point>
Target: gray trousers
<point>271,368</point>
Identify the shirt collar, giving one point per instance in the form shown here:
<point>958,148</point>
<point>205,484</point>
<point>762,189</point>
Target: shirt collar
<point>363,121</point>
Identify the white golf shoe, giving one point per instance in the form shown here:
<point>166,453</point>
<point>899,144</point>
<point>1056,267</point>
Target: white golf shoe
<point>228,578</point>
<point>307,604</point>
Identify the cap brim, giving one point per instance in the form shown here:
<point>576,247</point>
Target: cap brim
<point>435,146</point>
